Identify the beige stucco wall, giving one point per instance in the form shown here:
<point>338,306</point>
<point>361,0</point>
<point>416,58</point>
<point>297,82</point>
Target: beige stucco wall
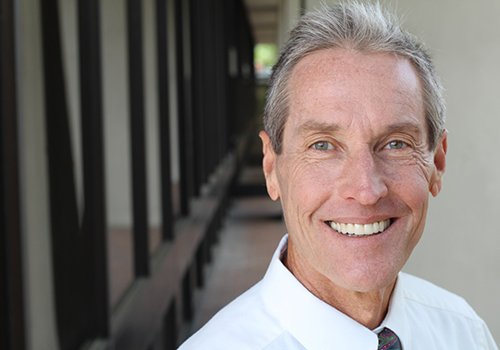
<point>461,246</point>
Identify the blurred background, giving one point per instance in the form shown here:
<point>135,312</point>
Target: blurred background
<point>132,204</point>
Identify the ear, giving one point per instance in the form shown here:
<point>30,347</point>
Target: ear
<point>439,164</point>
<point>269,166</point>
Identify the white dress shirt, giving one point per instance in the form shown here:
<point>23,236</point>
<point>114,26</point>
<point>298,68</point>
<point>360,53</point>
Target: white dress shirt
<point>280,313</point>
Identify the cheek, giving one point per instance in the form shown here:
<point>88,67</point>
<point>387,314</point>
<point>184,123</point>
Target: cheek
<point>411,186</point>
<point>410,180</point>
<point>305,185</point>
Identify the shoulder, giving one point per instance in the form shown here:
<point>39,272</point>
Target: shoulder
<point>245,323</point>
<point>434,311</point>
<point>427,295</point>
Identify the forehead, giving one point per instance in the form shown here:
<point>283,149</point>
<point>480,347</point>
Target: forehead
<point>333,83</point>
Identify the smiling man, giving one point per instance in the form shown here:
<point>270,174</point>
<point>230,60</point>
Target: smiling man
<point>354,144</point>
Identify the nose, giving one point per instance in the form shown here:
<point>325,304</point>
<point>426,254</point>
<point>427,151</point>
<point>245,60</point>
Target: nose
<point>362,179</point>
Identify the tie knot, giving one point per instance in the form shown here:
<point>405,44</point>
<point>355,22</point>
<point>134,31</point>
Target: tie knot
<point>388,340</point>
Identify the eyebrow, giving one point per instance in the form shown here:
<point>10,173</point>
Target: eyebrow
<point>311,126</point>
<point>413,128</point>
<point>315,126</point>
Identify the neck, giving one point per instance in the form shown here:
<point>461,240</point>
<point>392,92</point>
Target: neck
<point>367,308</point>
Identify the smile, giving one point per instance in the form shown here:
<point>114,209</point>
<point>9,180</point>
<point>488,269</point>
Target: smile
<point>360,229</point>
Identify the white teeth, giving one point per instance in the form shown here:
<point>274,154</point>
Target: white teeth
<point>360,229</point>
<point>349,228</point>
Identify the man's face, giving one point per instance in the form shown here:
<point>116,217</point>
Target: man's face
<point>355,161</point>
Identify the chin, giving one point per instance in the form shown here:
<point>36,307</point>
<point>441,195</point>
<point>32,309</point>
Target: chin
<point>367,281</point>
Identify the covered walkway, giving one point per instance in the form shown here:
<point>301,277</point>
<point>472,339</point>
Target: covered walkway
<point>249,235</point>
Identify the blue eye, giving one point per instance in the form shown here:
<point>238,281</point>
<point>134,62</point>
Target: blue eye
<point>397,144</point>
<point>322,146</point>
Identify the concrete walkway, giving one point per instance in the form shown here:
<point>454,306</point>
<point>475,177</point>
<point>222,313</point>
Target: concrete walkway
<point>250,234</point>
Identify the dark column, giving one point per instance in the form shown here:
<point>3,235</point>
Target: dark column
<point>12,323</point>
<point>163,119</point>
<point>138,147</point>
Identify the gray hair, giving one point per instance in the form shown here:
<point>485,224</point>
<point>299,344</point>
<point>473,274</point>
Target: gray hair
<point>351,25</point>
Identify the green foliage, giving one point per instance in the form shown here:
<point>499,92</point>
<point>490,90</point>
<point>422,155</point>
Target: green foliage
<point>265,55</point>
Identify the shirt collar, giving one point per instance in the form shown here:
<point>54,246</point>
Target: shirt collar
<point>310,320</point>
<point>396,318</point>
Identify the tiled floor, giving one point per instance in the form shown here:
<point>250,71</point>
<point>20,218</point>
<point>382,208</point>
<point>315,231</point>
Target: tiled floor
<point>250,234</point>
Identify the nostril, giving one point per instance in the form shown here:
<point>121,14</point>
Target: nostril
<point>368,194</point>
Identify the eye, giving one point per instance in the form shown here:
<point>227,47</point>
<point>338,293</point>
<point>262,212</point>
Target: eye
<point>396,144</point>
<point>322,146</point>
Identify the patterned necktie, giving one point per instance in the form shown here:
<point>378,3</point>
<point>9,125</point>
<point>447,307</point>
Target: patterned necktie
<point>388,340</point>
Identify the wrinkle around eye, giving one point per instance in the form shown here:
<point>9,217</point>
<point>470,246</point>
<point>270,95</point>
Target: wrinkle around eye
<point>409,155</point>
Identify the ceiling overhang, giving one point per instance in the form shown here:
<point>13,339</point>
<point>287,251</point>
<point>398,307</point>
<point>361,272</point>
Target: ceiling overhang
<point>264,19</point>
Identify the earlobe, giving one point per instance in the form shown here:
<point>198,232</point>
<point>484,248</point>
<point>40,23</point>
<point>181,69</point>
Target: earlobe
<point>435,189</point>
<point>269,166</point>
<point>439,164</point>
